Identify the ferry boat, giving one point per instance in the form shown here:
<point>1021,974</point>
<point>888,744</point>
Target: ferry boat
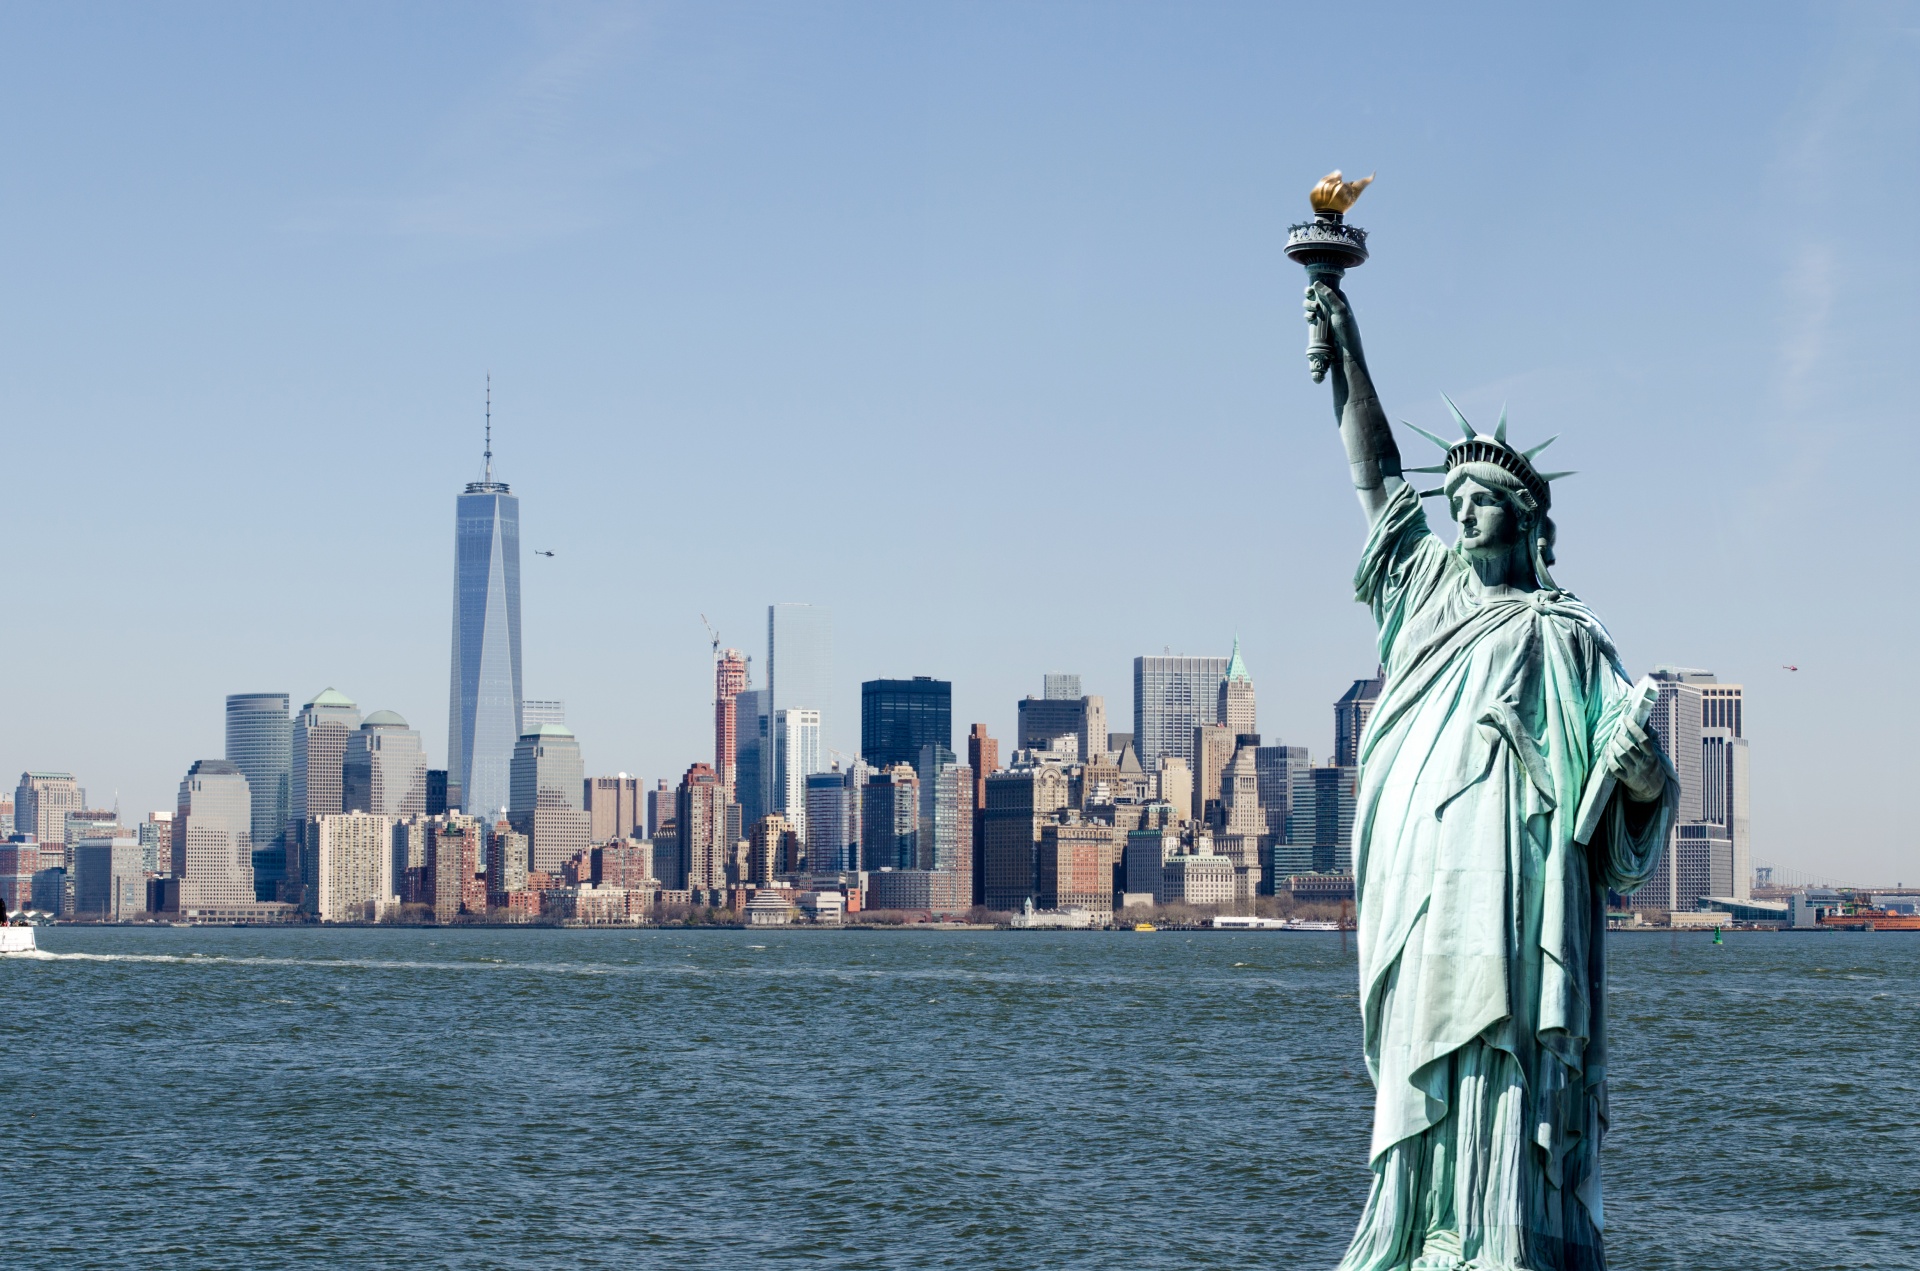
<point>17,939</point>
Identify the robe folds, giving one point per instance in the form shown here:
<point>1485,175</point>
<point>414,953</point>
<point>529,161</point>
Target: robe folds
<point>1480,921</point>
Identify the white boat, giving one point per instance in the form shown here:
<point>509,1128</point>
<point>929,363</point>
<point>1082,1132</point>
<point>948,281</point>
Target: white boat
<point>18,940</point>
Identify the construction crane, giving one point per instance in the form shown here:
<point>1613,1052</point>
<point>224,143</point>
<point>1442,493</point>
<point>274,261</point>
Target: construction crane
<point>714,634</point>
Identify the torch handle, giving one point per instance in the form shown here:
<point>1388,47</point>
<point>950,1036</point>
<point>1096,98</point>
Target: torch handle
<point>1320,346</point>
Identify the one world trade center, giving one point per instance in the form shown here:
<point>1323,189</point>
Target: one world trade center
<point>483,718</point>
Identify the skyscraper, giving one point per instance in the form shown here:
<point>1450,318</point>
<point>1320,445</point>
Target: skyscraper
<point>1350,715</point>
<point>385,769</point>
<point>983,756</point>
<point>1043,720</point>
<point>1019,802</point>
<point>796,756</point>
<point>830,839</point>
<point>213,837</point>
<point>752,760</point>
<point>548,797</point>
<point>41,804</point>
<point>1060,686</point>
<point>1236,709</point>
<point>613,807</point>
<point>799,676</point>
<point>320,734</point>
<point>701,831</point>
<point>1171,695</point>
<point>729,681</point>
<point>890,829</point>
<point>483,717</point>
<point>898,717</point>
<point>353,866</point>
<point>260,745</point>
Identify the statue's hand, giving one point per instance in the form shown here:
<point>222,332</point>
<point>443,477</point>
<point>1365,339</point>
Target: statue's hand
<point>1326,302</point>
<point>1634,760</point>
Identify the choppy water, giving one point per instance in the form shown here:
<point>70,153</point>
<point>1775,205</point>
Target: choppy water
<point>372,1098</point>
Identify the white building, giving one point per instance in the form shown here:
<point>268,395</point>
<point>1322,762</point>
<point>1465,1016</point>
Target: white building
<point>354,862</point>
<point>213,837</point>
<point>796,756</point>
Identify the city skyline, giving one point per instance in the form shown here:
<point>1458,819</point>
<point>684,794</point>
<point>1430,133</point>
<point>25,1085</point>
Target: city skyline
<point>262,333</point>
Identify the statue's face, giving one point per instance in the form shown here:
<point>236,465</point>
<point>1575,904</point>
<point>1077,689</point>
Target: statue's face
<point>1489,523</point>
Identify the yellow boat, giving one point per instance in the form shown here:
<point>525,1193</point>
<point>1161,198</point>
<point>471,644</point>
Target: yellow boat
<point>1144,926</point>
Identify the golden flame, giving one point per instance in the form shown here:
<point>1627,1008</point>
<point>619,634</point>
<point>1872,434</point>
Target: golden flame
<point>1336,195</point>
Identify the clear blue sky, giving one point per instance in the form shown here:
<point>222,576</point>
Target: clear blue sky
<point>970,322</point>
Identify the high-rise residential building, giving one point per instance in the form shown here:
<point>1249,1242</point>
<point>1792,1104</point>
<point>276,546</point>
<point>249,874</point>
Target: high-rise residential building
<point>353,866</point>
<point>19,862</point>
<point>484,694</point>
<point>1350,716</point>
<point>768,846</point>
<point>6,819</point>
<point>213,837</point>
<point>537,711</point>
<point>890,819</point>
<point>660,801</point>
<point>898,717</point>
<point>317,786</point>
<point>1236,707</point>
<point>830,841</point>
<point>752,751</point>
<point>260,744</point>
<point>613,808</point>
<point>1019,802</point>
<point>731,676</point>
<point>1171,696</point>
<point>945,834</point>
<point>1044,720</point>
<point>1700,723</point>
<point>1060,686</point>
<point>797,755</point>
<point>799,676</point>
<point>156,843</point>
<point>456,854</point>
<point>547,797</point>
<point>506,865</point>
<point>41,803</point>
<point>700,824</point>
<point>108,881</point>
<point>384,771</point>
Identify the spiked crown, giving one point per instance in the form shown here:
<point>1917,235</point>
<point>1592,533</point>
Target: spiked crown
<point>1474,447</point>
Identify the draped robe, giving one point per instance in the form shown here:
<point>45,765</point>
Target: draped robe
<point>1480,920</point>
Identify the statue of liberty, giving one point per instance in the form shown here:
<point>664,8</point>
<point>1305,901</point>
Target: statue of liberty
<point>1506,783</point>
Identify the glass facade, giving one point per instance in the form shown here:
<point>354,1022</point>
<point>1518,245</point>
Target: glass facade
<point>899,717</point>
<point>799,676</point>
<point>260,745</point>
<point>797,756</point>
<point>483,719</point>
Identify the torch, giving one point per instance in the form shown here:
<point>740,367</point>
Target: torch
<point>1328,247</point>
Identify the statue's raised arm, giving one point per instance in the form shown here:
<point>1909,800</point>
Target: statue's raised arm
<point>1371,453</point>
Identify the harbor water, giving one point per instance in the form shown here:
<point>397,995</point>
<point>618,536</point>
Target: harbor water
<point>878,1099</point>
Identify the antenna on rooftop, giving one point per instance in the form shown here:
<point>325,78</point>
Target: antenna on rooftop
<point>489,477</point>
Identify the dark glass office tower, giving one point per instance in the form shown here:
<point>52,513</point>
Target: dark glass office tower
<point>898,717</point>
<point>260,745</point>
<point>483,718</point>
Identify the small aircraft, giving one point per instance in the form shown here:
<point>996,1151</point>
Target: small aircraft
<point>1785,667</point>
<point>538,553</point>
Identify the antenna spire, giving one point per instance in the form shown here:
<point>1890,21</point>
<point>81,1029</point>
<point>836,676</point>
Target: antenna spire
<point>489,477</point>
